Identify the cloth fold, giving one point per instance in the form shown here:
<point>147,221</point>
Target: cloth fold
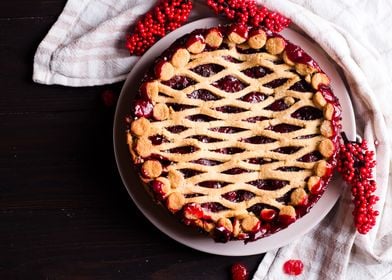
<point>86,46</point>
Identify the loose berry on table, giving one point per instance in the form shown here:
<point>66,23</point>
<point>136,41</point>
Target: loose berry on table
<point>239,272</point>
<point>293,267</point>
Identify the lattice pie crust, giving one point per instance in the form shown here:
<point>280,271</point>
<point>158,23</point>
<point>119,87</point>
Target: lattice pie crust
<point>248,159</point>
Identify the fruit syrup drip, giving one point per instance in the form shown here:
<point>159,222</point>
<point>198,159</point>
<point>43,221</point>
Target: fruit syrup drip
<point>168,15</point>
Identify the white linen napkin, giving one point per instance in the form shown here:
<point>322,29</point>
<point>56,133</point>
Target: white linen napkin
<point>86,46</point>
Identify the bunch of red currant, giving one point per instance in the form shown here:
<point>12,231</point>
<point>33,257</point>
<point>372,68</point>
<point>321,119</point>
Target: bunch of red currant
<point>168,15</point>
<point>248,13</point>
<point>356,164</point>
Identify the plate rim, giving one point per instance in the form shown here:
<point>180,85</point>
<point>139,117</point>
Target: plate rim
<point>232,248</point>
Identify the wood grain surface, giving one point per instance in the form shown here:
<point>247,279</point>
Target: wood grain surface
<point>64,213</point>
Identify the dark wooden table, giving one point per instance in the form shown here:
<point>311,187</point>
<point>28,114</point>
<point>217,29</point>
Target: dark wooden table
<point>64,212</point>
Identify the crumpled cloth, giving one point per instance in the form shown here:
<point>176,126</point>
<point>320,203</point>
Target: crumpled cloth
<point>86,46</point>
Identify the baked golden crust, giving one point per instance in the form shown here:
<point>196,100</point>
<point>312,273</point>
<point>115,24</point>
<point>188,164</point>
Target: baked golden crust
<point>299,178</point>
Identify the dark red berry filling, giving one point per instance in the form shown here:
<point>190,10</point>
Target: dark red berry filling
<point>254,97</point>
<point>213,184</point>
<point>176,129</point>
<point>287,150</point>
<point>200,118</point>
<point>203,94</point>
<point>259,140</point>
<point>205,139</point>
<point>206,162</point>
<point>269,184</point>
<point>142,108</point>
<point>284,128</point>
<point>275,83</point>
<point>234,171</point>
<point>232,59</point>
<point>257,72</point>
<point>308,113</point>
<point>311,157</point>
<point>179,82</point>
<point>207,70</point>
<point>227,129</point>
<point>229,84</point>
<point>183,150</point>
<point>189,172</point>
<point>278,105</point>
<point>230,109</point>
<point>238,196</point>
<point>213,207</point>
<point>179,107</point>
<point>229,151</point>
<point>158,139</point>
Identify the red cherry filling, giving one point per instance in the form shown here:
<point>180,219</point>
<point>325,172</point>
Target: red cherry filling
<point>268,214</point>
<point>269,184</point>
<point>293,267</point>
<point>158,139</point>
<point>254,97</point>
<point>232,59</point>
<point>205,139</point>
<point>230,109</point>
<point>234,171</point>
<point>275,83</point>
<point>311,157</point>
<point>194,39</point>
<point>179,82</point>
<point>176,128</point>
<point>158,188</point>
<point>296,54</point>
<point>207,70</point>
<point>290,168</point>
<point>278,105</point>
<point>286,220</point>
<point>239,29</point>
<point>287,150</point>
<point>179,107</point>
<point>213,206</point>
<point>183,150</point>
<point>257,72</point>
<point>201,118</point>
<point>227,129</point>
<point>284,128</point>
<point>206,162</point>
<point>203,94</point>
<point>193,210</point>
<point>187,172</point>
<point>221,234</point>
<point>259,161</point>
<point>301,86</point>
<point>229,84</point>
<point>317,188</point>
<point>238,196</point>
<point>307,113</point>
<point>213,184</point>
<point>229,151</point>
<point>259,140</point>
<point>256,119</point>
<point>143,108</point>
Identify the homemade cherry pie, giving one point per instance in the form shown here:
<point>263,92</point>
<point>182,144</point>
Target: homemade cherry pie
<point>235,130</point>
